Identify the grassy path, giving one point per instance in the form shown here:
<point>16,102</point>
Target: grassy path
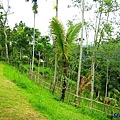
<point>13,105</point>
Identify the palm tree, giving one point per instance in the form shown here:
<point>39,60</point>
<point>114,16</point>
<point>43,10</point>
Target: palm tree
<point>63,44</point>
<point>34,8</point>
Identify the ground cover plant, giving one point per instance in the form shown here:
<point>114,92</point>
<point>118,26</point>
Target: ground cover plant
<point>13,103</point>
<point>44,102</point>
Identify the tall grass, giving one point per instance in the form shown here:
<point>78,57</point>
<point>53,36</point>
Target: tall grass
<point>43,101</point>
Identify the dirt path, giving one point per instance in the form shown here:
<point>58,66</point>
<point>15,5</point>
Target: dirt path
<point>13,105</point>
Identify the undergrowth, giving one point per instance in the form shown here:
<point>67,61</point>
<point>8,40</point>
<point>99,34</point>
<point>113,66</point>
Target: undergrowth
<point>43,101</point>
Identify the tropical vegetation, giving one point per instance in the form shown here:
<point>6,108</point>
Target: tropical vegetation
<point>92,69</point>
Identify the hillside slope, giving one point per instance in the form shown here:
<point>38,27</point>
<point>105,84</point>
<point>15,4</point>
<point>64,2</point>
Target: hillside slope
<point>13,105</point>
<point>40,99</point>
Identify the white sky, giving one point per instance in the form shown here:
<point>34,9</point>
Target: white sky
<point>23,12</point>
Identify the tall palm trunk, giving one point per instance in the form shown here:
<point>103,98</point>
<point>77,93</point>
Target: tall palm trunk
<point>80,59</point>
<point>64,80</point>
<point>33,44</point>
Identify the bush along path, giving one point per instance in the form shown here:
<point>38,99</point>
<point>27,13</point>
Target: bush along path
<point>13,104</point>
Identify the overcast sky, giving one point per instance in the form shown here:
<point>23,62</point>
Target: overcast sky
<point>23,12</point>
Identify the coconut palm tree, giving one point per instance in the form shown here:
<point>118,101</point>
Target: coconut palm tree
<point>63,44</point>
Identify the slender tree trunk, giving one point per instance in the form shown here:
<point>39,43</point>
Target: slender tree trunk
<point>107,80</point>
<point>4,23</point>
<point>80,59</point>
<point>106,89</point>
<point>55,71</point>
<point>64,81</point>
<point>56,8</point>
<point>97,25</point>
<point>43,69</point>
<point>39,62</point>
<point>33,44</point>
<point>92,80</point>
<point>6,46</point>
<point>30,65</point>
<point>86,38</point>
<point>20,53</point>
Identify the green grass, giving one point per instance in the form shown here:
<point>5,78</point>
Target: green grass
<point>13,104</point>
<point>44,102</point>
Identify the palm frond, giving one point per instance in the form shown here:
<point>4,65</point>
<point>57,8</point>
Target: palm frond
<point>57,29</point>
<point>63,41</point>
<point>72,32</point>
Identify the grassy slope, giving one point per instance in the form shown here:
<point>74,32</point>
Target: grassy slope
<point>44,101</point>
<point>13,105</point>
